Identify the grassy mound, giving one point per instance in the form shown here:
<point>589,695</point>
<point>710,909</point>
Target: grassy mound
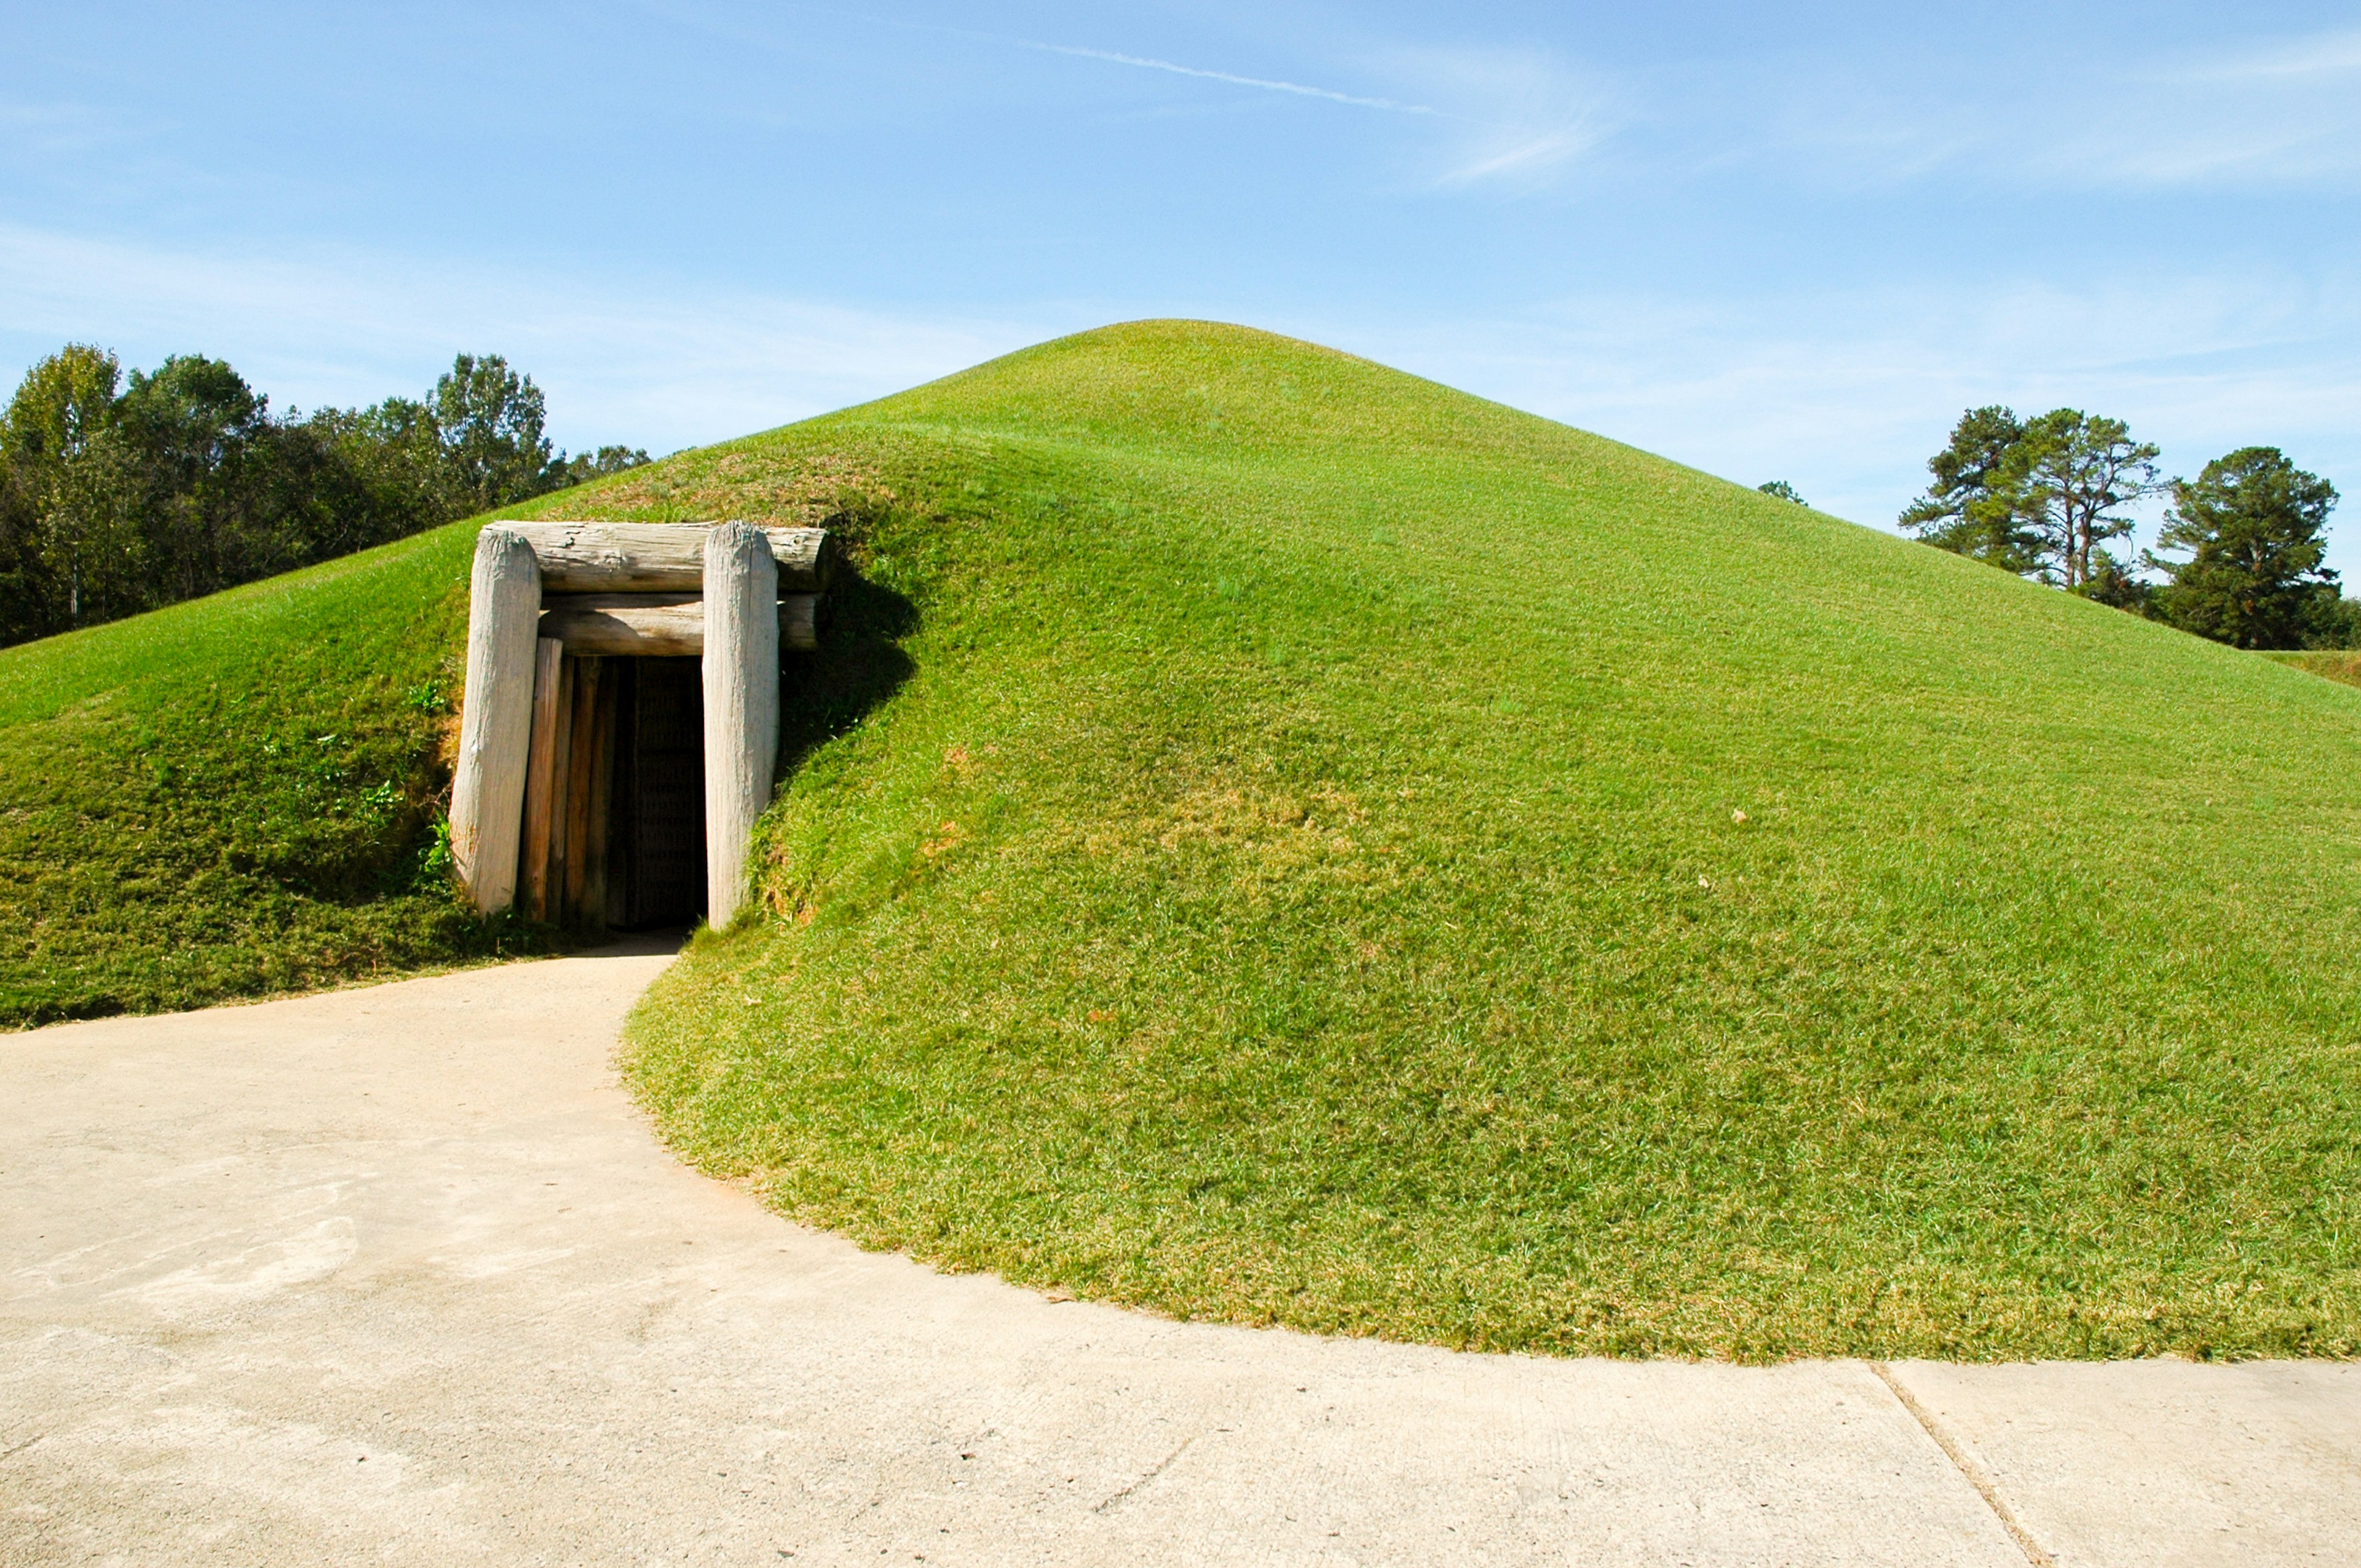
<point>233,796</point>
<point>2340,664</point>
<point>1279,840</point>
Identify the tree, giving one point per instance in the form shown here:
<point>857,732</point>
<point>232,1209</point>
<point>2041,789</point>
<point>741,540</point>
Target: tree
<point>210,513</point>
<point>1960,512</point>
<point>2252,523</point>
<point>2062,484</point>
<point>114,499</point>
<point>489,421</point>
<point>1783,491</point>
<point>67,515</point>
<point>598,464</point>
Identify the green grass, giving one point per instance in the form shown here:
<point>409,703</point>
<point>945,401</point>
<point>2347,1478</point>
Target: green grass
<point>1276,841</point>
<point>1281,841</point>
<point>236,795</point>
<point>2335,664</point>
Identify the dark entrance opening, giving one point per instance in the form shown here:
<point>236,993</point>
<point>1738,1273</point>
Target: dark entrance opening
<point>655,844</point>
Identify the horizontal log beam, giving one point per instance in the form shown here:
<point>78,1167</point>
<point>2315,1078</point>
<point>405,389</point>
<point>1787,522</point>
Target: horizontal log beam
<point>658,557</point>
<point>650,626</point>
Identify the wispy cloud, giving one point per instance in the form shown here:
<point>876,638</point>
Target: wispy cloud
<point>1265,83</point>
<point>2321,54</point>
<point>2277,114</point>
<point>1517,118</point>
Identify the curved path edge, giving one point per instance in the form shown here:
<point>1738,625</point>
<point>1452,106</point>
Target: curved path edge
<point>398,1275</point>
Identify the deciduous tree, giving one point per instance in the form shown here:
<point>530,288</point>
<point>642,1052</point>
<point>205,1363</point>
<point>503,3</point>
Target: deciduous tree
<point>490,420</point>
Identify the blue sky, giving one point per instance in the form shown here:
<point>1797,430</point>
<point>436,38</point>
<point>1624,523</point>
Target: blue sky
<point>1770,242</point>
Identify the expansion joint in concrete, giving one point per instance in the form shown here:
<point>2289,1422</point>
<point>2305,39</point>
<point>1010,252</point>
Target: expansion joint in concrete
<point>1965,1463</point>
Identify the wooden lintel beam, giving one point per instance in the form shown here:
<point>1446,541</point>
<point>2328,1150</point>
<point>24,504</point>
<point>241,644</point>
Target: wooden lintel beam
<point>657,557</point>
<point>658,625</point>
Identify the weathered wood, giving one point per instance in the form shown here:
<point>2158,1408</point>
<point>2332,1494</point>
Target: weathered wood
<point>561,781</point>
<point>799,618</point>
<point>652,557</point>
<point>627,625</point>
<point>741,675</point>
<point>602,784</point>
<point>658,625</point>
<point>540,777</point>
<point>585,735</point>
<point>496,718</point>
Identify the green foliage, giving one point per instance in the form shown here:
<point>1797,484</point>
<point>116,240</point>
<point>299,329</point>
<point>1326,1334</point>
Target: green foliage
<point>1781,489</point>
<point>2335,622</point>
<point>2062,484</point>
<point>2040,498</point>
<point>184,484</point>
<point>2252,523</point>
<point>489,421</point>
<point>1285,842</point>
<point>1961,511</point>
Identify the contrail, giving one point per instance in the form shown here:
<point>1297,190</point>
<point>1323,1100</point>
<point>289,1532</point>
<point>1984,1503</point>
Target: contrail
<point>1295,87</point>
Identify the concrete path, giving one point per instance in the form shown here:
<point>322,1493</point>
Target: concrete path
<point>396,1275</point>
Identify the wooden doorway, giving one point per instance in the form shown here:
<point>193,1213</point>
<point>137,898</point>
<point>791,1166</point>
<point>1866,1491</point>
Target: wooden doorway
<point>656,854</point>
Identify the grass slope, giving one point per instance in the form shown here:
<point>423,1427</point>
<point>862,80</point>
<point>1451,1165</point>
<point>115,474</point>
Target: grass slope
<point>2338,665</point>
<point>233,796</point>
<point>1279,840</point>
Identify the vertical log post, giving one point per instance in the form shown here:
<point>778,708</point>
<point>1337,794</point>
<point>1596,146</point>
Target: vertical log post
<point>741,673</point>
<point>496,718</point>
<point>541,777</point>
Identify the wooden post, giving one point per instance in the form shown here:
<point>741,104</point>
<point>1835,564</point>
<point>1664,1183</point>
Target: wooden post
<point>579,771</point>
<point>560,776</point>
<point>496,718</point>
<point>741,673</point>
<point>540,777</point>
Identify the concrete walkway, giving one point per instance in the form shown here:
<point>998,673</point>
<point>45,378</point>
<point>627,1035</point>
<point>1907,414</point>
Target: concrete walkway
<point>396,1275</point>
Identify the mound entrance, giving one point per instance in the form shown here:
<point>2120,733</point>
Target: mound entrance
<point>603,778</point>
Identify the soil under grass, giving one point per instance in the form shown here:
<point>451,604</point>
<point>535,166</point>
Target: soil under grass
<point>236,795</point>
<point>1277,841</point>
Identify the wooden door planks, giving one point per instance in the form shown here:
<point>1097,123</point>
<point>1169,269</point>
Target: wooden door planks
<point>583,735</point>
<point>541,778</point>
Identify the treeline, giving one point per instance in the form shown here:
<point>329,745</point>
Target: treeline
<point>2241,546</point>
<point>118,496</point>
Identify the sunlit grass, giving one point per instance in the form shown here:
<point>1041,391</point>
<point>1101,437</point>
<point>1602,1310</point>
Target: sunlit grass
<point>234,795</point>
<point>1343,854</point>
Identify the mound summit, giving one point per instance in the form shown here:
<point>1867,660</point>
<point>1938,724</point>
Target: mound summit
<point>1273,838</point>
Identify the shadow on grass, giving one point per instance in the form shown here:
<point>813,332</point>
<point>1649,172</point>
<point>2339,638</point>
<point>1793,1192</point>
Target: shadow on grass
<point>858,663</point>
